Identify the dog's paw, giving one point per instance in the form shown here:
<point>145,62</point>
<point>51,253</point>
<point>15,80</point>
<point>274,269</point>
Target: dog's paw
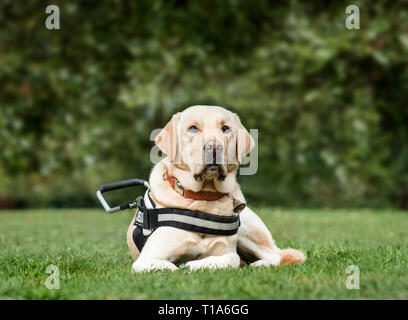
<point>273,260</point>
<point>216,262</point>
<point>197,265</point>
<point>152,264</point>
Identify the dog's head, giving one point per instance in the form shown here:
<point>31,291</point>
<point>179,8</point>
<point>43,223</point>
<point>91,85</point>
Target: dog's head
<point>206,144</point>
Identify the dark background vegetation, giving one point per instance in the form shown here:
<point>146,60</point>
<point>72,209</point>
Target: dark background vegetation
<point>77,105</point>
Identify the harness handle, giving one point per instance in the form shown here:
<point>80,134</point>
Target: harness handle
<point>116,186</point>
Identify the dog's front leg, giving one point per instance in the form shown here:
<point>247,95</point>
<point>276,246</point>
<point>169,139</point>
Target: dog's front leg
<point>162,248</point>
<point>229,260</point>
<point>221,252</point>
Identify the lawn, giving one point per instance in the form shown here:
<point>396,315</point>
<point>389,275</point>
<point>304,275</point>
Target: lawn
<point>89,247</point>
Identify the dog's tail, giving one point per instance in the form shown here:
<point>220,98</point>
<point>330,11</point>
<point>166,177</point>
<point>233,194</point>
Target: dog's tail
<point>291,256</point>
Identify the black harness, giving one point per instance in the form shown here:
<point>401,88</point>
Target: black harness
<point>149,218</point>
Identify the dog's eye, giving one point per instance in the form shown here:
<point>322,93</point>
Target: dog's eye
<point>225,128</point>
<point>193,129</point>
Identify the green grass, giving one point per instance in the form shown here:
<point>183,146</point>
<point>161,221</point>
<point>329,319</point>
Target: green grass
<point>90,249</point>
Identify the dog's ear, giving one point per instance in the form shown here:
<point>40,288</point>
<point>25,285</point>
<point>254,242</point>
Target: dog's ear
<point>167,140</point>
<point>245,142</point>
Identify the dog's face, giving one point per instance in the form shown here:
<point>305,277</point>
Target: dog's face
<point>208,142</point>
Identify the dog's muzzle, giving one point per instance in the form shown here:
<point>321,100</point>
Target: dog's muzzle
<point>213,154</point>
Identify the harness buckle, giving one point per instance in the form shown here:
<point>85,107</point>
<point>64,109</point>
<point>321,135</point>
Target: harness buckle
<point>140,217</point>
<point>139,201</point>
<point>178,187</point>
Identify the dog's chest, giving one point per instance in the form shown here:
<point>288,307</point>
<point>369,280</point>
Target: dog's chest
<point>209,245</point>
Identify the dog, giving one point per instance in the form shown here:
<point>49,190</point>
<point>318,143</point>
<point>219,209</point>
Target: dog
<point>204,146</point>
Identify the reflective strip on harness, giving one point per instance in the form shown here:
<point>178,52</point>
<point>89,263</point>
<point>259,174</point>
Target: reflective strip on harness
<point>198,222</point>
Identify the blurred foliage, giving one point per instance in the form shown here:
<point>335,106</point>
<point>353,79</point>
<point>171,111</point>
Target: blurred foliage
<point>77,105</point>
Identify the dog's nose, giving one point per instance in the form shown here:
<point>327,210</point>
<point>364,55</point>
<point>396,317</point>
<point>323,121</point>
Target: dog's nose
<point>213,151</point>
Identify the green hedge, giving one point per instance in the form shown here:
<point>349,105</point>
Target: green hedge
<point>78,104</point>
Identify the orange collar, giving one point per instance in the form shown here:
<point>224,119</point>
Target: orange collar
<point>189,194</point>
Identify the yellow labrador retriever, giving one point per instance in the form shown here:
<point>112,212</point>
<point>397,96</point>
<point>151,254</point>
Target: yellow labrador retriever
<point>204,147</point>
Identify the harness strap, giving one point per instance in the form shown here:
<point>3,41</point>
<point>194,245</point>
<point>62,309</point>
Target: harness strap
<point>148,218</point>
<point>139,238</point>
